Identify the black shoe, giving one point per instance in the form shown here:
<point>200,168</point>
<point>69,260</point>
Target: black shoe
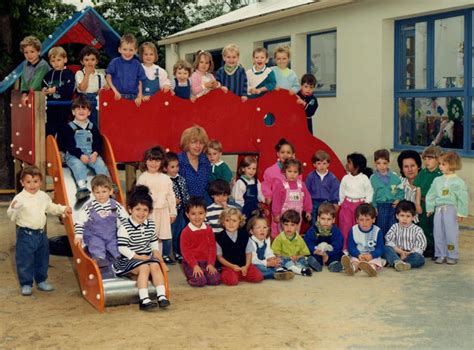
<point>148,306</point>
<point>163,302</point>
<point>178,258</point>
<point>306,271</point>
<point>168,260</point>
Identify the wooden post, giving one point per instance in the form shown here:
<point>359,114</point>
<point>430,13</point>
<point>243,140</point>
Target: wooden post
<point>40,133</point>
<point>130,175</point>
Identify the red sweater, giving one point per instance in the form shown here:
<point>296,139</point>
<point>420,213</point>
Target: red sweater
<point>199,245</point>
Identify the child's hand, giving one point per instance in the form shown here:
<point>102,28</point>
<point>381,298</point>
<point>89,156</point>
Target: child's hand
<point>253,91</point>
<point>325,258</point>
<point>141,257</point>
<point>89,70</point>
<point>106,86</point>
<point>165,88</point>
<point>93,157</point>
<point>318,251</point>
<point>308,216</point>
<point>16,205</point>
<point>403,255</point>
<point>197,271</point>
<point>146,98</point>
<point>419,209</point>
<point>84,159</point>
<point>244,270</point>
<point>67,210</point>
<point>272,262</point>
<point>395,203</point>
<point>44,91</point>
<point>211,269</point>
<point>236,268</point>
<point>225,89</point>
<point>172,219</point>
<point>300,101</point>
<point>77,241</point>
<point>276,218</point>
<point>117,95</point>
<point>429,213</point>
<point>294,258</point>
<point>291,92</point>
<point>460,218</point>
<point>244,98</point>
<point>193,98</point>
<point>24,99</point>
<point>138,100</point>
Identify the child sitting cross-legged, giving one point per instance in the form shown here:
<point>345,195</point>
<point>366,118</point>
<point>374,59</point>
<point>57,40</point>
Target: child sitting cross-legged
<point>234,250</point>
<point>405,241</point>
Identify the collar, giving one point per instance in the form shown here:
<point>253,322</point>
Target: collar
<point>126,61</point>
<point>136,225</point>
<point>256,240</point>
<point>232,235</point>
<point>290,239</point>
<point>83,125</point>
<point>255,71</point>
<point>321,176</point>
<point>25,192</point>
<point>195,228</point>
<point>33,64</point>
<point>322,231</point>
<point>231,70</point>
<point>218,163</point>
<point>369,230</point>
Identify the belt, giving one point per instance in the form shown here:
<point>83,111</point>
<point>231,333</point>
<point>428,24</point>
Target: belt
<point>37,231</point>
<point>355,200</point>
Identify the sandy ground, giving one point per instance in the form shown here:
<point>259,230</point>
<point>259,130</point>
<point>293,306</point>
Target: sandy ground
<point>428,308</point>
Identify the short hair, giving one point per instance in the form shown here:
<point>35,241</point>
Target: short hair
<point>309,79</point>
<point>245,162</point>
<point>128,39</point>
<point>195,202</point>
<point>57,51</point>
<point>140,195</point>
<point>88,51</point>
<point>215,145</point>
<point>30,41</point>
<point>282,49</point>
<point>366,209</point>
<point>382,154</point>
<point>81,102</point>
<point>229,212</point>
<point>292,162</point>
<point>408,154</point>
<point>101,180</point>
<point>260,50</point>
<point>193,133</point>
<point>327,208</point>
<point>253,221</point>
<point>283,142</point>
<point>148,45</point>
<point>182,64</point>
<point>320,156</point>
<point>31,170</point>
<point>406,206</point>
<point>154,153</point>
<point>359,162</point>
<point>290,216</point>
<point>453,160</point>
<point>218,187</point>
<point>431,152</point>
<point>231,47</point>
<point>200,54</point>
<point>170,157</point>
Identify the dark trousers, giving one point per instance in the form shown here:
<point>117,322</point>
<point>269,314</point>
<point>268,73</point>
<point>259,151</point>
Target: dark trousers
<point>32,256</point>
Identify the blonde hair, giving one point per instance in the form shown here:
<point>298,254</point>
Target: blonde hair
<point>200,54</point>
<point>194,133</point>
<point>128,39</point>
<point>228,212</point>
<point>453,160</point>
<point>215,145</point>
<point>231,47</point>
<point>148,45</point>
<point>57,51</point>
<point>260,50</point>
<point>431,151</point>
<point>30,41</point>
<point>182,64</point>
<point>282,49</point>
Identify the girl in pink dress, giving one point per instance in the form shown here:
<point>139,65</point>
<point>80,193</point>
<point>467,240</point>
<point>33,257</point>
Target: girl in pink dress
<point>202,80</point>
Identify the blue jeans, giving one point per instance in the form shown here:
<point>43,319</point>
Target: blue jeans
<point>414,259</point>
<point>267,272</point>
<point>79,169</point>
<point>301,262</point>
<point>32,256</point>
<point>176,227</point>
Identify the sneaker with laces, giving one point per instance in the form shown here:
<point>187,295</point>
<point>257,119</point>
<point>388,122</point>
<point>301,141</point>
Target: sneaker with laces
<point>450,261</point>
<point>26,290</point>
<point>401,265</point>
<point>367,268</point>
<point>306,271</point>
<point>45,286</point>
<point>348,266</point>
<point>440,260</point>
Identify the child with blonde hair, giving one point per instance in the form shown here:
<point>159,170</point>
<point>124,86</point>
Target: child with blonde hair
<point>202,79</point>
<point>284,76</point>
<point>232,75</point>
<point>156,77</point>
<point>181,84</point>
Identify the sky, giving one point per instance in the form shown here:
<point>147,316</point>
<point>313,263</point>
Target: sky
<point>79,4</point>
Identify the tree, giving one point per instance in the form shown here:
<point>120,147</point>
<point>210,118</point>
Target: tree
<point>215,8</point>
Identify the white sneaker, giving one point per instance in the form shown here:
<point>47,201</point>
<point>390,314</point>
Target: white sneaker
<point>402,266</point>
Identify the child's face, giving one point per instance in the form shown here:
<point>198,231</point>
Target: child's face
<point>350,167</point>
<point>81,114</point>
<point>182,75</point>
<point>139,213</point>
<point>231,58</point>
<point>321,166</point>
<point>326,220</point>
<point>89,61</point>
<point>58,62</point>
<point>260,229</point>
<point>381,165</point>
<point>431,163</point>
<point>405,218</point>
<point>31,184</point>
<point>148,56</point>
<point>221,199</point>
<point>127,51</point>
<point>290,229</point>
<point>291,173</point>
<point>285,152</point>
<point>204,64</point>
<point>282,60</point>
<point>250,170</point>
<point>195,147</point>
<point>31,54</point>
<point>260,59</point>
<point>196,215</point>
<point>213,155</point>
<point>172,168</point>
<point>306,89</point>
<point>445,168</point>
<point>102,193</point>
<point>153,165</point>
<point>231,223</point>
<point>365,222</point>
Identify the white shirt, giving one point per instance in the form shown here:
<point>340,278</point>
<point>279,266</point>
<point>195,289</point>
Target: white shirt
<point>268,250</point>
<point>240,188</point>
<point>93,86</point>
<point>150,73</point>
<point>356,187</point>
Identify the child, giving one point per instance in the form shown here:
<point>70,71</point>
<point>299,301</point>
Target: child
<point>202,80</point>
<point>138,244</point>
<point>181,85</point>
<point>387,190</point>
<point>448,199</point>
<point>180,189</point>
<point>247,191</point>
<point>321,183</point>
<point>28,210</point>
<point>219,190</point>
<point>324,240</point>
<point>284,76</point>
<point>355,189</point>
<point>198,246</point>
<point>262,253</point>
<point>97,222</point>
<point>125,74</point>
<point>156,77</point>
<point>405,241</point>
<point>261,78</point>
<point>161,191</point>
<point>81,143</point>
<point>220,169</point>
<point>307,99</point>
<point>291,193</point>
<point>232,75</point>
<point>58,86</point>
<point>35,67</point>
<point>423,181</point>
<point>234,250</point>
<point>365,244</point>
<point>89,80</point>
<point>291,248</point>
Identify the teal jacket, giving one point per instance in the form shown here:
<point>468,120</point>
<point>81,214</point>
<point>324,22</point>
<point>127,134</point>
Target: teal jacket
<point>386,193</point>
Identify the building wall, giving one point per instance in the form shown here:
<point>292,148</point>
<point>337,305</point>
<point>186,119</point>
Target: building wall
<point>360,118</point>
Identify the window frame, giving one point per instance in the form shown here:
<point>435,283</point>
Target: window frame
<point>266,43</point>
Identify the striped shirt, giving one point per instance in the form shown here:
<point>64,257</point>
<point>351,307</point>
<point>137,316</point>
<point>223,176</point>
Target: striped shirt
<point>409,238</point>
<point>133,238</point>
<point>235,82</point>
<point>212,216</point>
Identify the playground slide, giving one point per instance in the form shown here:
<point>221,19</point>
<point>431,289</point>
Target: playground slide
<point>100,293</point>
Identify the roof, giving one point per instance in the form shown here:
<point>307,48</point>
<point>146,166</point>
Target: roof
<point>256,13</point>
<point>86,27</point>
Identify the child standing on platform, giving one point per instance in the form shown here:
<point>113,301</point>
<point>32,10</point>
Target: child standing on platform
<point>261,78</point>
<point>164,200</point>
<point>322,184</point>
<point>198,246</point>
<point>355,189</point>
<point>28,210</point>
<point>220,169</point>
<point>138,244</point>
<point>234,250</point>
<point>202,80</point>
<point>181,84</point>
<point>307,99</point>
<point>156,77</point>
<point>387,190</point>
<point>284,76</point>
<point>448,199</point>
<point>232,75</point>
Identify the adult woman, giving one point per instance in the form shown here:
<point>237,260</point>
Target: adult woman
<point>409,162</point>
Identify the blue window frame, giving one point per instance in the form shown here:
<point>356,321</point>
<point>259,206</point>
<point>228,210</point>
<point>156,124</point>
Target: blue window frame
<point>271,45</point>
<point>322,61</point>
<point>433,99</point>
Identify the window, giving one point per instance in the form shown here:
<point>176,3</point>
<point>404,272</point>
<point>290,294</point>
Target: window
<point>433,100</point>
<point>322,50</point>
<point>271,47</point>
